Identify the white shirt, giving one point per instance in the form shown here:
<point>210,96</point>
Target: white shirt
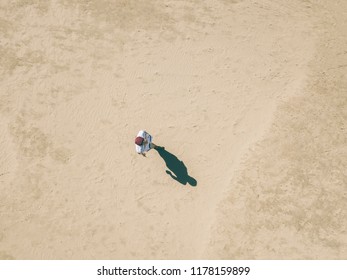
<point>143,148</point>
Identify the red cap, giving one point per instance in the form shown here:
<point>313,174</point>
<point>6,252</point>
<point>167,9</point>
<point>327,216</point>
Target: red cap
<point>139,140</point>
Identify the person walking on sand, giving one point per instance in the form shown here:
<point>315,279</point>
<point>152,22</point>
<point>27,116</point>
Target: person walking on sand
<point>143,143</point>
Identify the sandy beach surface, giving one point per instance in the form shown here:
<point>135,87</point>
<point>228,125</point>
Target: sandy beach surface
<point>248,97</point>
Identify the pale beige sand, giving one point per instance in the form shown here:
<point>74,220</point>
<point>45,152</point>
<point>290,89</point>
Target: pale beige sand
<point>289,200</point>
<point>249,94</point>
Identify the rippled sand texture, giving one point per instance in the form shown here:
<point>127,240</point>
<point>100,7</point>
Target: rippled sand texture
<point>289,200</point>
<point>250,95</point>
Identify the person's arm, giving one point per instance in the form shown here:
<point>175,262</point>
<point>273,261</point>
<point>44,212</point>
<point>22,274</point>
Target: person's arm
<point>140,150</point>
<point>143,153</point>
<point>147,137</point>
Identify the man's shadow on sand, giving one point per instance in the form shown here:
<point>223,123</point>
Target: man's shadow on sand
<point>177,170</point>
